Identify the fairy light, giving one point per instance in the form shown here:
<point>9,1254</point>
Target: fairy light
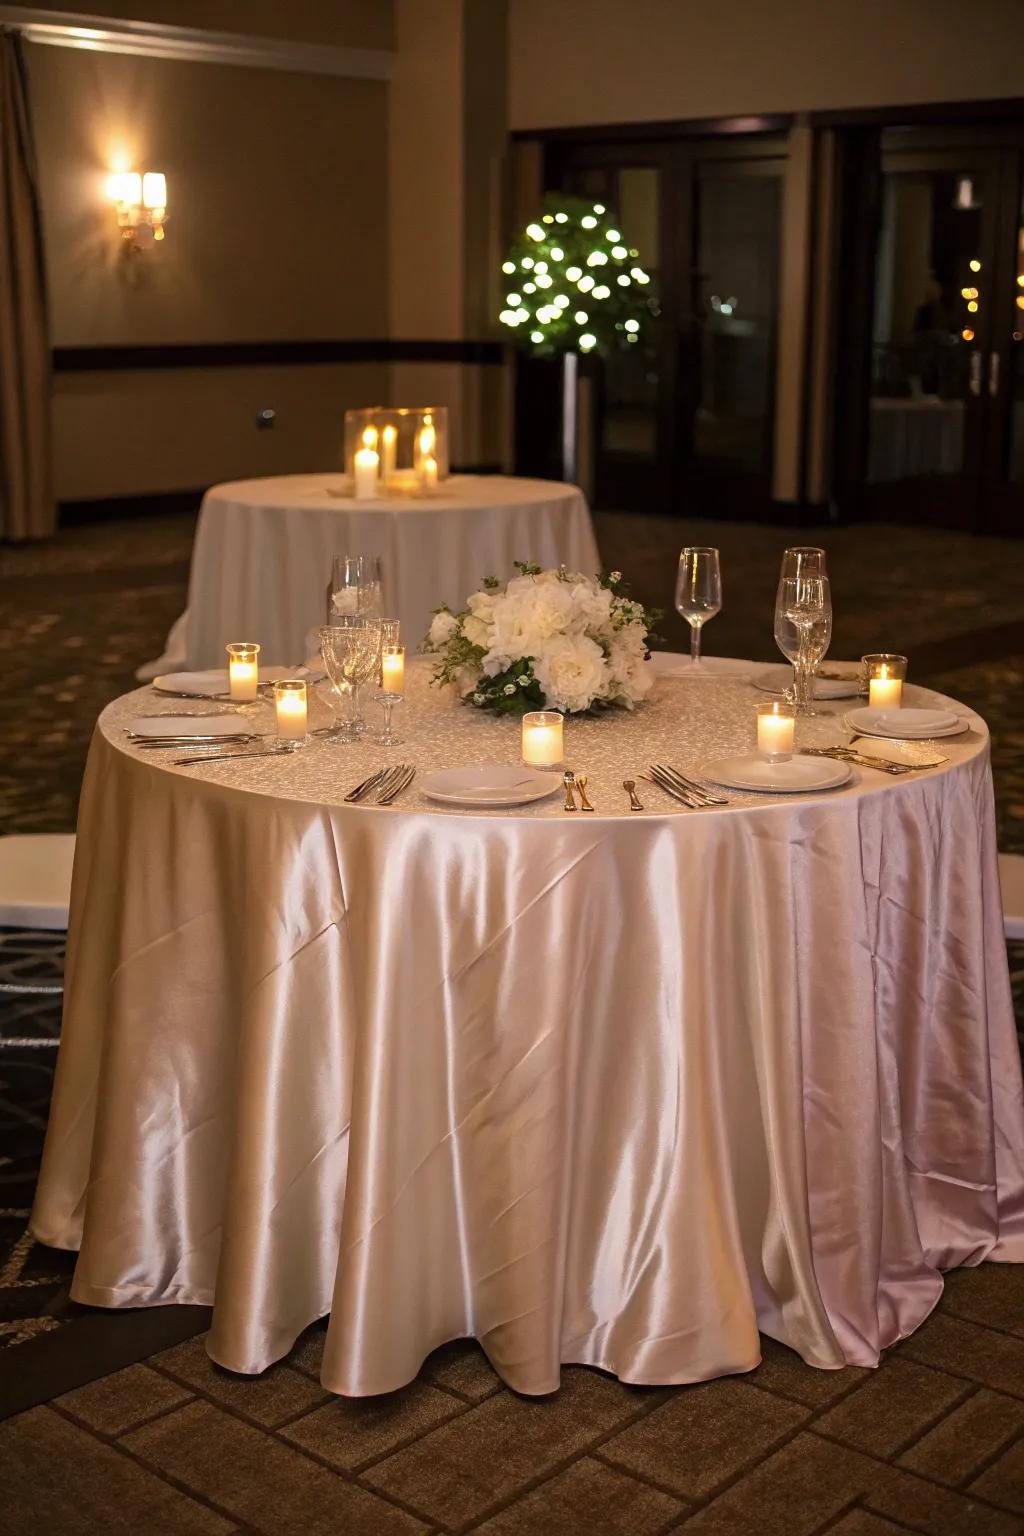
<point>573,251</point>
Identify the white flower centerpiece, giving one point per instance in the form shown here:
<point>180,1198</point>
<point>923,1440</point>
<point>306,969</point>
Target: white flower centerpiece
<point>550,639</point>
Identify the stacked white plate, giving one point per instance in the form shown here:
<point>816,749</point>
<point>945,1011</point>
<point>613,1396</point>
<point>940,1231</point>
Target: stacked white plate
<point>796,776</point>
<point>777,677</point>
<point>215,681</point>
<point>188,725</point>
<point>909,724</point>
<point>489,784</point>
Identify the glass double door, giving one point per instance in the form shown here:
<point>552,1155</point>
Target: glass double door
<point>945,409</point>
<point>684,422</point>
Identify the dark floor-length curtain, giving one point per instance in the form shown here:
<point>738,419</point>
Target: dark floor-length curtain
<point>27,508</point>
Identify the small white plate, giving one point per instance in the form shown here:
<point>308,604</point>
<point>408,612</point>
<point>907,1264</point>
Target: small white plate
<point>215,681</point>
<point>911,724</point>
<point>187,725</point>
<point>490,784</point>
<point>798,776</point>
<point>778,677</point>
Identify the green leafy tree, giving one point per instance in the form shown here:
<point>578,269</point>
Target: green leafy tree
<point>573,283</point>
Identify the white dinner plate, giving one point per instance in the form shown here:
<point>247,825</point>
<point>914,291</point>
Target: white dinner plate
<point>214,681</point>
<point>188,725</point>
<point>911,724</point>
<point>798,776</point>
<point>490,784</point>
<point>678,664</point>
<point>778,677</point>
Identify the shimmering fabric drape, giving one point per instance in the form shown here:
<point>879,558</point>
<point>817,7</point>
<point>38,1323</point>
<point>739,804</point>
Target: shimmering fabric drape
<point>613,1090</point>
<point>27,506</point>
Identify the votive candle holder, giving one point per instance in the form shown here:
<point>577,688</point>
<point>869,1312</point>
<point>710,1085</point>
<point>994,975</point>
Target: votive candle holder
<point>243,671</point>
<point>543,745</point>
<point>292,709</point>
<point>886,674</point>
<point>776,730</point>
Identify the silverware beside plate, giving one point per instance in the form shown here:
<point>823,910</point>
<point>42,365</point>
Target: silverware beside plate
<point>629,786</point>
<point>235,757</point>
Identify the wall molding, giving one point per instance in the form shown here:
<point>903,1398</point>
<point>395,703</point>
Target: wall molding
<point>195,45</point>
<point>273,354</point>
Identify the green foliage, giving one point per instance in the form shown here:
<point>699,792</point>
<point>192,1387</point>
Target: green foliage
<point>571,282</point>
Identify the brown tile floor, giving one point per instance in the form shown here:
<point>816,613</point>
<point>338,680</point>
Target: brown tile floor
<point>933,1441</point>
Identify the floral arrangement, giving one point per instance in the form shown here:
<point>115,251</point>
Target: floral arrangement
<point>550,639</point>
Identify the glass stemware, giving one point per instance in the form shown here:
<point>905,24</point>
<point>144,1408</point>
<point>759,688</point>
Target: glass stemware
<point>355,586</point>
<point>803,629</point>
<point>803,560</point>
<point>698,591</point>
<point>350,648</point>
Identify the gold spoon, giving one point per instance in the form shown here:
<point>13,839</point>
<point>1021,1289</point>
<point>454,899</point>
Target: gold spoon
<point>581,785</point>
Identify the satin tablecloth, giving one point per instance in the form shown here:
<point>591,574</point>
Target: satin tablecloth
<point>614,1089</point>
<point>263,553</point>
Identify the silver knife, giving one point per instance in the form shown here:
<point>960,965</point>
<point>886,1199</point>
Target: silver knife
<point>365,787</point>
<point>224,757</point>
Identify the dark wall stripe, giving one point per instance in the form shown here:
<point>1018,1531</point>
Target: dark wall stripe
<point>275,354</point>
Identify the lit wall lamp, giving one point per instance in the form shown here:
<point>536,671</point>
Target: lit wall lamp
<point>141,204</point>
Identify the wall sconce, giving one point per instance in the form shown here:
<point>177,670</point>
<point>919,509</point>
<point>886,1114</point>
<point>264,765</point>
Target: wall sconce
<point>141,204</point>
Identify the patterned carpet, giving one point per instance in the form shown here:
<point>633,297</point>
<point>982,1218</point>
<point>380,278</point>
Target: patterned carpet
<point>931,1442</point>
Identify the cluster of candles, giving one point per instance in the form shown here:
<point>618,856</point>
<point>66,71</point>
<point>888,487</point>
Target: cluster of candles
<point>291,696</point>
<point>375,462</point>
<point>776,722</point>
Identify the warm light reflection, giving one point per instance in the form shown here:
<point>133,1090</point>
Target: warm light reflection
<point>967,334</point>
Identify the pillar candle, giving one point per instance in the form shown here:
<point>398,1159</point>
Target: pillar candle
<point>885,692</point>
<point>389,450</point>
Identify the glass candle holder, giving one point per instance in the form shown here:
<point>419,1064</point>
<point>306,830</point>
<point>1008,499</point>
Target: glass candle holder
<point>290,704</point>
<point>410,448</point>
<point>542,739</point>
<point>243,671</point>
<point>886,674</point>
<point>776,729</point>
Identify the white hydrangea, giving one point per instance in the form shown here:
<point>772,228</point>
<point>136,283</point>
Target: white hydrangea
<point>441,630</point>
<point>572,672</point>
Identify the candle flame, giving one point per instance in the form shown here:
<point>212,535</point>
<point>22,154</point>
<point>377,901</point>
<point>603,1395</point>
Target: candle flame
<point>369,437</point>
<point>884,672</point>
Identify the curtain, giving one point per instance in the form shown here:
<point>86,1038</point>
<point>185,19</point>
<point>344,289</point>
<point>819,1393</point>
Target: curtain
<point>27,509</point>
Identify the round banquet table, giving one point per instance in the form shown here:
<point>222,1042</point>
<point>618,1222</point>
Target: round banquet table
<point>617,1089</point>
<point>263,551</point>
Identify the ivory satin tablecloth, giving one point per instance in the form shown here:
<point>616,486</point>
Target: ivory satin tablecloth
<point>612,1089</point>
<point>263,553</point>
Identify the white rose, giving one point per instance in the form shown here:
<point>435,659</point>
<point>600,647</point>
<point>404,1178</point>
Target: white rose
<point>530,616</point>
<point>481,605</point>
<point>592,606</point>
<point>572,671</point>
<point>442,628</point>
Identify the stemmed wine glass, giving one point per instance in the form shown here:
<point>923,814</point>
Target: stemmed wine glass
<point>802,560</point>
<point>355,588</point>
<point>698,591</point>
<point>803,629</point>
<point>351,651</point>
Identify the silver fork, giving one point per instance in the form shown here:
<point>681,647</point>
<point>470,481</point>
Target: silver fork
<point>694,789</point>
<point>669,789</point>
<point>365,787</point>
<point>403,781</point>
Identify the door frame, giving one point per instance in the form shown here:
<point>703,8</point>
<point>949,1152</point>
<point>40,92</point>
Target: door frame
<point>678,156</point>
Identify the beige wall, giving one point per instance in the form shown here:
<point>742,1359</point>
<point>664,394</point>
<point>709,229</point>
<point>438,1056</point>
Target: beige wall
<point>608,61</point>
<point>342,23</point>
<point>277,189</point>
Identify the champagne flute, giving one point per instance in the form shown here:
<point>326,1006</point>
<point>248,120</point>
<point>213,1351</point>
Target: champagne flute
<point>698,591</point>
<point>351,652</point>
<point>803,629</point>
<point>355,586</point>
<point>804,560</point>
<point>800,560</point>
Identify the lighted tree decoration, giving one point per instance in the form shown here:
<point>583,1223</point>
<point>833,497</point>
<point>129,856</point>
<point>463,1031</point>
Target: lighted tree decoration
<point>574,285</point>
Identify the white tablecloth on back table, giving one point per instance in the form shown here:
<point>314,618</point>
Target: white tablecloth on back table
<point>618,1089</point>
<point>263,553</point>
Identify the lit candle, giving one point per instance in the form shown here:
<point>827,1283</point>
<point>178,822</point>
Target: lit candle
<point>542,739</point>
<point>290,704</point>
<point>243,671</point>
<point>885,691</point>
<point>429,473</point>
<point>392,669</point>
<point>428,440</point>
<point>367,465</point>
<point>389,450</point>
<point>776,728</point>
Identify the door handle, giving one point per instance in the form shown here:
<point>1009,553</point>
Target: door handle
<point>993,373</point>
<point>975,379</point>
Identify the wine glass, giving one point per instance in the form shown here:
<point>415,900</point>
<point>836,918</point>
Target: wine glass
<point>803,629</point>
<point>698,591</point>
<point>350,648</point>
<point>355,586</point>
<point>803,560</point>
